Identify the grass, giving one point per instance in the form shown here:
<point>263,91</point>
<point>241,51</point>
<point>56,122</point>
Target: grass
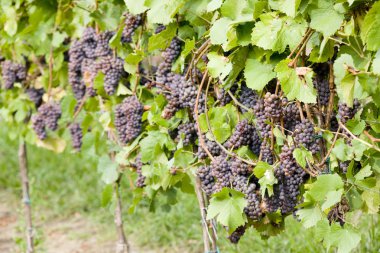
<point>65,184</point>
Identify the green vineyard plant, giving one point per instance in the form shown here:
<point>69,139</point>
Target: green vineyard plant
<point>262,108</point>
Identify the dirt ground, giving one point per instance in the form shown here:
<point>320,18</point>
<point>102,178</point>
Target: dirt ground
<point>72,235</point>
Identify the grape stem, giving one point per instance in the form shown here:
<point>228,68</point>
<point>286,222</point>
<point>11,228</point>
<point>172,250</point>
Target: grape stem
<point>330,149</point>
<point>201,140</point>
<point>372,138</point>
<point>331,98</point>
<point>356,138</point>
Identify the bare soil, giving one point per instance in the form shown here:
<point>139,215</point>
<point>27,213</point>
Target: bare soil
<point>76,234</point>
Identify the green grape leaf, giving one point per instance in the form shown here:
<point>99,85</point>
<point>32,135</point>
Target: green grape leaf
<point>370,30</point>
<point>218,65</point>
<point>344,81</point>
<point>183,158</point>
<point>214,5</point>
<point>108,169</point>
<point>358,149</point>
<point>344,239</point>
<point>371,198</point>
<point>107,195</point>
<point>323,185</point>
<point>162,40</point>
<point>219,31</point>
<point>265,33</point>
<point>152,146</point>
<point>163,11</point>
<point>325,18</point>
<point>332,197</point>
<point>10,25</point>
<point>302,155</point>
<point>341,150</point>
<point>136,7</point>
<point>289,7</point>
<point>227,206</point>
<point>363,173</point>
<point>310,216</point>
<point>258,74</point>
<point>356,126</point>
<point>294,86</point>
<point>261,168</point>
<point>376,63</point>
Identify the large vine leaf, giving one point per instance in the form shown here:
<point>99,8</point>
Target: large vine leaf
<point>325,18</point>
<point>294,86</point>
<point>370,32</point>
<point>227,207</point>
<point>258,74</point>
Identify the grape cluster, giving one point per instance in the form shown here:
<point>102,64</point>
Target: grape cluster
<point>188,132</point>
<point>244,135</point>
<point>11,73</point>
<point>159,28</point>
<point>128,119</point>
<point>290,176</point>
<point>35,95</point>
<point>291,115</point>
<point>76,136</point>
<point>262,126</point>
<point>238,167</point>
<point>223,97</point>
<point>207,179</point>
<point>338,212</point>
<point>345,112</point>
<point>140,181</point>
<point>248,97</point>
<point>304,136</point>
<point>212,147</point>
<point>321,83</point>
<point>221,170</point>
<point>47,117</point>
<point>182,94</point>
<point>266,152</point>
<point>169,56</point>
<point>131,23</point>
<point>89,56</point>
<point>272,106</point>
<point>237,234</point>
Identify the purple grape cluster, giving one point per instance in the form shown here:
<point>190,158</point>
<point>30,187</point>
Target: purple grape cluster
<point>248,97</point>
<point>11,73</point>
<point>212,147</point>
<point>89,56</point>
<point>140,181</point>
<point>207,179</point>
<point>346,113</point>
<point>304,136</point>
<point>35,95</point>
<point>272,106</point>
<point>235,236</point>
<point>244,135</point>
<point>187,132</point>
<point>131,23</point>
<point>128,119</point>
<point>76,136</point>
<point>321,83</point>
<point>47,117</point>
<point>263,128</point>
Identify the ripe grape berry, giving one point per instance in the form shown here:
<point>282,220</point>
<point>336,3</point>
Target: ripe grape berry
<point>140,181</point>
<point>272,106</point>
<point>128,119</point>
<point>237,234</point>
<point>345,112</point>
